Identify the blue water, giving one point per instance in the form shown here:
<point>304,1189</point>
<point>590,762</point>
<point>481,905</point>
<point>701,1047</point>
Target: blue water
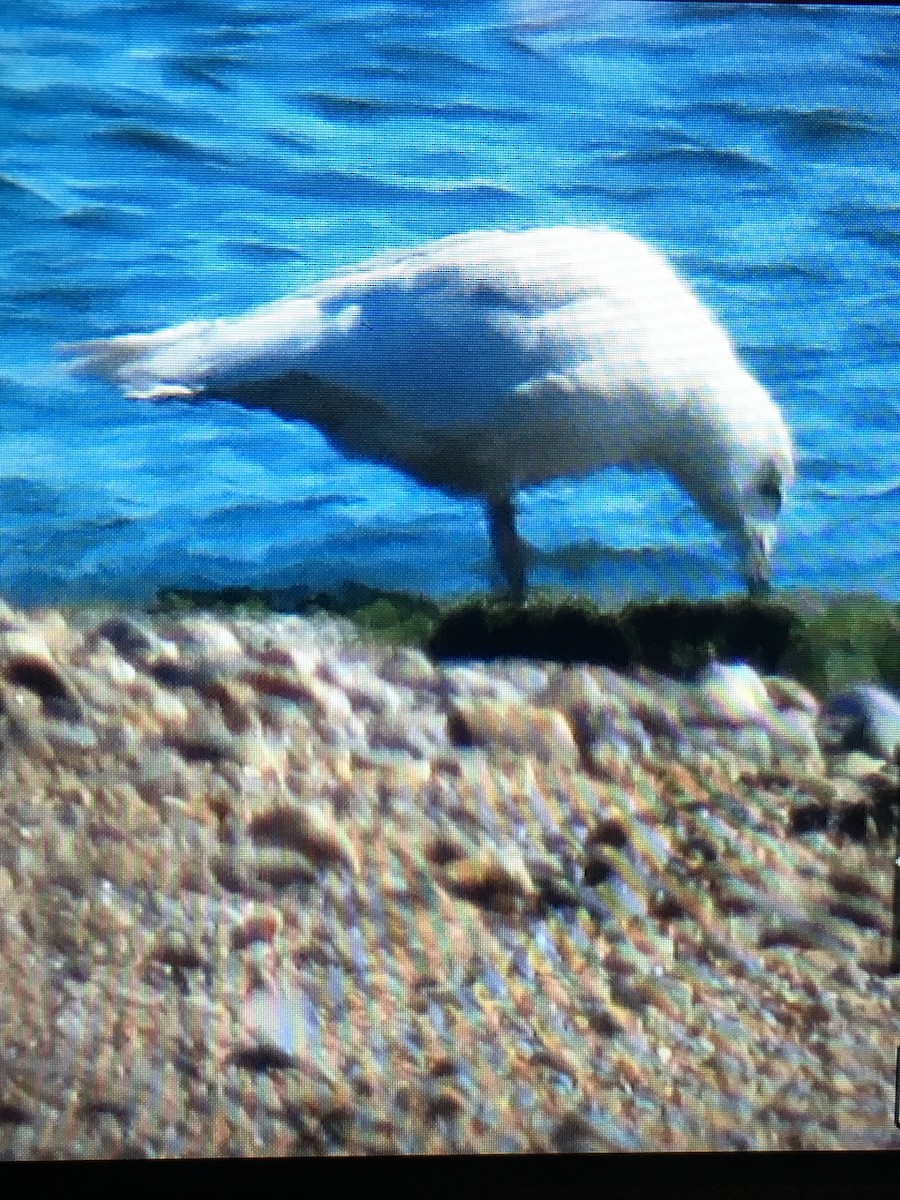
<point>180,158</point>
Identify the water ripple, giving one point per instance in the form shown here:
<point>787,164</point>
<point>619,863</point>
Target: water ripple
<point>170,145</point>
<point>366,108</point>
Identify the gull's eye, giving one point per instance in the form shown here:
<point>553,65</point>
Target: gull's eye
<point>769,485</point>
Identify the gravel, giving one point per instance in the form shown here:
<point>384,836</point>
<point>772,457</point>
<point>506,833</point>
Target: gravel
<point>268,888</point>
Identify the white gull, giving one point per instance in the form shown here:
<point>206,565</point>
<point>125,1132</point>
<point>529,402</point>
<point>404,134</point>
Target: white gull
<point>489,361</point>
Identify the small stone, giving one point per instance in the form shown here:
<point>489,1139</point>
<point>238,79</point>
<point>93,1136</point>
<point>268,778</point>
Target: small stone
<point>43,677</point>
<point>24,643</point>
<point>474,683</point>
<point>273,1030</point>
<point>118,670</point>
<point>54,628</point>
<point>752,745</point>
<point>491,875</point>
<point>308,828</point>
<point>162,773</point>
<point>420,735</point>
<point>282,868</point>
<point>168,707</point>
<point>859,765</point>
<point>410,668</point>
<point>207,640</point>
<point>788,694</point>
<point>576,689</point>
<point>362,687</point>
<point>235,701</point>
<point>261,923</point>
<point>864,717</point>
<point>126,635</point>
<point>67,738</point>
<point>618,731</point>
<point>119,739</point>
<point>205,728</point>
<point>794,740</point>
<point>176,948</point>
<point>732,694</point>
<point>529,679</point>
<point>20,704</point>
<point>491,724</point>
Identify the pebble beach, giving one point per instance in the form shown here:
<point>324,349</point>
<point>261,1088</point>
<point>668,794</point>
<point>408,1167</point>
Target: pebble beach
<point>270,887</point>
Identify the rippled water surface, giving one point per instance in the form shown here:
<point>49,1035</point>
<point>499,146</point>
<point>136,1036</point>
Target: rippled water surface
<point>165,160</point>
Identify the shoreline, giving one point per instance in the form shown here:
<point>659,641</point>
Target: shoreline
<point>825,640</point>
<point>271,887</point>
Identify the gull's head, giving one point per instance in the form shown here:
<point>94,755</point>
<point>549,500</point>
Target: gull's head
<point>742,474</point>
<point>758,512</point>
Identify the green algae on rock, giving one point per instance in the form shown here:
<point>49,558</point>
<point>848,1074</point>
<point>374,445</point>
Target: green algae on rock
<point>824,642</point>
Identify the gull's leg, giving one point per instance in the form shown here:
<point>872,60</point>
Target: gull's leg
<point>507,544</point>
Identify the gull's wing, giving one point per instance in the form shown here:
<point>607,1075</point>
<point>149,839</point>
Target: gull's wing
<point>450,336</point>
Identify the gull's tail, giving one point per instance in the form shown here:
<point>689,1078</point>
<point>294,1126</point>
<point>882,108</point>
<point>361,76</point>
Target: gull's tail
<point>190,359</point>
<point>129,360</point>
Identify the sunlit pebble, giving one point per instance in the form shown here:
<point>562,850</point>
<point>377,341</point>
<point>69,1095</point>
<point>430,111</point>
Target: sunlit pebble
<point>529,679</point>
<point>736,696</point>
<point>272,1016</point>
<point>750,744</point>
<point>134,639</point>
<point>359,683</point>
<point>258,924</point>
<point>734,692</point>
<point>420,735</point>
<point>333,704</point>
<point>305,827</point>
<point>118,670</point>
<point>304,660</point>
<point>856,766</point>
<point>68,739</point>
<point>515,728</point>
<point>864,717</point>
<point>501,869</point>
<point>25,644</point>
<point>795,737</point>
<point>411,668</point>
<point>787,694</point>
<point>207,640</point>
<point>168,707</point>
<point>606,719</point>
<point>264,756</point>
<point>474,683</point>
